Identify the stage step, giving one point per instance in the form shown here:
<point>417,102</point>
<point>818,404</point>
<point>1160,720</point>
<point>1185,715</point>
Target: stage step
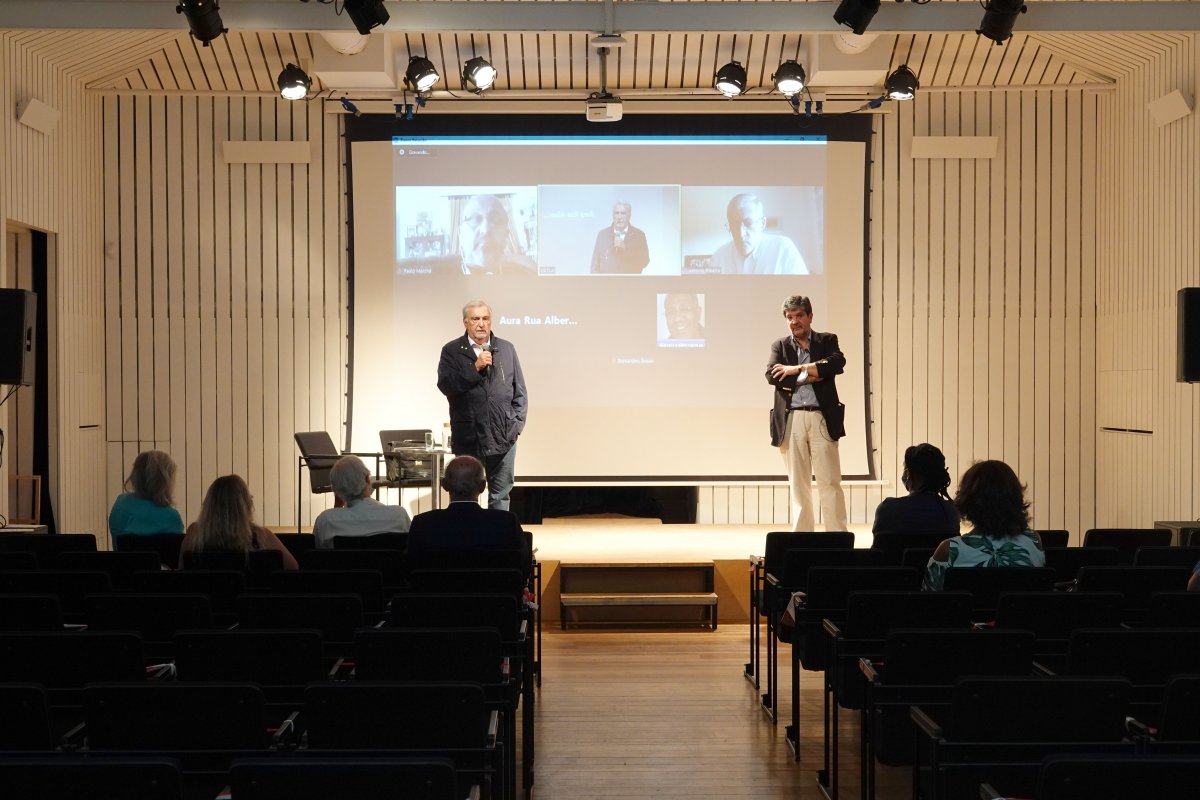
<point>616,586</point>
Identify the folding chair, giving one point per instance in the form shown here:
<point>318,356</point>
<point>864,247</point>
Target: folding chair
<point>222,586</point>
<point>297,543</point>
<point>66,660</point>
<point>119,566</point>
<point>366,583</point>
<point>919,667</point>
<point>1179,609</point>
<point>894,544</point>
<point>30,612</point>
<point>388,563</point>
<point>69,587</point>
<point>1067,561</point>
<point>61,777</point>
<point>445,719</point>
<point>47,547</point>
<point>318,453</point>
<point>376,541</point>
<point>1114,777</point>
<point>1054,538</point>
<point>359,777</point>
<point>1167,557</point>
<point>164,545</point>
<point>1136,584</point>
<point>986,584</point>
<point>155,617</point>
<point>26,715</point>
<point>336,616</point>
<point>282,662</point>
<point>1052,616</point>
<point>999,729</point>
<point>1127,540</point>
<point>16,560</point>
<point>257,565</point>
<point>861,633</point>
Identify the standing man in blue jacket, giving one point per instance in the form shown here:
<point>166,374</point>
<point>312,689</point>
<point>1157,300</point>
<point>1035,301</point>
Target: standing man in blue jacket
<point>481,377</point>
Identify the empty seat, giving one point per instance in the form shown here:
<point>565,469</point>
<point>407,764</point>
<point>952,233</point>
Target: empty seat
<point>61,777</point>
<point>359,777</point>
<point>164,545</point>
<point>1127,540</point>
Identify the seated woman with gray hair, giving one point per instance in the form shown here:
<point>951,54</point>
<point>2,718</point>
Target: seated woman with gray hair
<point>359,514</point>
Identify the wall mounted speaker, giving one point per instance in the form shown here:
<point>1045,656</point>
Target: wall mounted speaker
<point>1189,336</point>
<point>18,315</point>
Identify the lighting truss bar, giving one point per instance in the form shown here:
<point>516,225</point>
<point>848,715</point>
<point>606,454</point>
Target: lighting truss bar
<point>463,16</point>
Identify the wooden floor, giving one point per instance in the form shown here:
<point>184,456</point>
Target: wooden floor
<point>668,714</point>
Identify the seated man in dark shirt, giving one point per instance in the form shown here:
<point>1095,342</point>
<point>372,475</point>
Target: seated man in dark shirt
<point>464,534</point>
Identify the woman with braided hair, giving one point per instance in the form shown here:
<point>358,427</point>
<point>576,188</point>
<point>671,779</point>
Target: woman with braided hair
<point>927,506</point>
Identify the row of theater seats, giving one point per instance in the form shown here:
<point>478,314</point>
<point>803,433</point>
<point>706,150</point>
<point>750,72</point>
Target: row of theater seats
<point>322,631</point>
<point>883,646</point>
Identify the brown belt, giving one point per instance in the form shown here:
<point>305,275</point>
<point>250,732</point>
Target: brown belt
<point>805,408</point>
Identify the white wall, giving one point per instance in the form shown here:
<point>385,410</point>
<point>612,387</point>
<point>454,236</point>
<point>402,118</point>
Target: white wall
<point>51,182</point>
<point>225,293</point>
<point>1147,249</point>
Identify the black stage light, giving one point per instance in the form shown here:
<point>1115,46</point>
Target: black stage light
<point>790,78</point>
<point>420,75</point>
<point>731,79</point>
<point>478,72</point>
<point>204,19</point>
<point>999,16</point>
<point>901,84</point>
<point>293,83</point>
<point>856,14</point>
<point>366,14</point>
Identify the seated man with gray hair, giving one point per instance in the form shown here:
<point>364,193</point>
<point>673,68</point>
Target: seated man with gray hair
<point>464,533</point>
<point>360,514</point>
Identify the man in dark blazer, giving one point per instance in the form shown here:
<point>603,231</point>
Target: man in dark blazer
<point>481,377</point>
<point>620,248</point>
<point>463,534</point>
<point>807,419</point>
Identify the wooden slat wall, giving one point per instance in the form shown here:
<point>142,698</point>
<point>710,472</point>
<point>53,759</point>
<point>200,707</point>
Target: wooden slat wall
<point>1148,185</point>
<point>225,293</point>
<point>52,182</point>
<point>981,303</point>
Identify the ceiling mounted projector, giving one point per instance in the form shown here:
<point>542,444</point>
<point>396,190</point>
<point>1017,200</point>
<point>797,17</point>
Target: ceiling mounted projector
<point>603,107</point>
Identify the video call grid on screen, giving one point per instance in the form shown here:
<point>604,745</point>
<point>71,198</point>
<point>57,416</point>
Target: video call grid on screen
<point>618,270</point>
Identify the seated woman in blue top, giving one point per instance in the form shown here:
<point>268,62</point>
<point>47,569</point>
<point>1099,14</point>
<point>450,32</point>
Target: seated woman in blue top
<point>145,507</point>
<point>992,499</point>
<point>226,524</point>
<point>927,506</point>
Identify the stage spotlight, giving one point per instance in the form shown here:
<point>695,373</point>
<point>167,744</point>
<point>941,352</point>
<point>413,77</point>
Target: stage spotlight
<point>731,79</point>
<point>420,75</point>
<point>204,18</point>
<point>901,84</point>
<point>856,14</point>
<point>999,16</point>
<point>478,73</point>
<point>293,82</point>
<point>789,78</point>
<point>366,14</point>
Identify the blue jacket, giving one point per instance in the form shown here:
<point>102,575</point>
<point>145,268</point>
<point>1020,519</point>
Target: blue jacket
<point>487,409</point>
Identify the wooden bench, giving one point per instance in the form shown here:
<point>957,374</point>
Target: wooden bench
<point>637,585</point>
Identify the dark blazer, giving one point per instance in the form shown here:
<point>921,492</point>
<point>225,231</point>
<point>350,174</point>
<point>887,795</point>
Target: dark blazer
<point>467,535</point>
<point>487,409</point>
<point>821,346</point>
<point>631,259</point>
<point>922,511</point>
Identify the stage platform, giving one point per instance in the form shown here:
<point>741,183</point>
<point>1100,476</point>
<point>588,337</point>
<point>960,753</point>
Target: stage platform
<point>615,539</point>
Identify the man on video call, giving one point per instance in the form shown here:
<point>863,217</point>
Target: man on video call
<point>483,239</point>
<point>620,248</point>
<point>752,251</point>
<point>807,419</point>
<point>481,377</point>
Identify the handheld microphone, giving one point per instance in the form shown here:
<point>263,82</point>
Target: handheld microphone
<point>487,348</point>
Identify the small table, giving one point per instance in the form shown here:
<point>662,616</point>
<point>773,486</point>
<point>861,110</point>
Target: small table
<point>395,466</point>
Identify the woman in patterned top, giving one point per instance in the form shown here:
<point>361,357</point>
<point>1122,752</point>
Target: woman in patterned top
<point>992,499</point>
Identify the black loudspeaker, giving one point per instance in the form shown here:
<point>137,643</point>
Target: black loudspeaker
<point>18,318</point>
<point>1188,370</point>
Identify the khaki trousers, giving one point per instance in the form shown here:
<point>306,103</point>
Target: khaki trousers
<point>808,450</point>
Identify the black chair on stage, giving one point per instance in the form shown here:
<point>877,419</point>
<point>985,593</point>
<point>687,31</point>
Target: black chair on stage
<point>318,453</point>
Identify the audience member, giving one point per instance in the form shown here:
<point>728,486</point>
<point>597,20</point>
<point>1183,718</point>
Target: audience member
<point>146,506</point>
<point>464,531</point>
<point>358,513</point>
<point>927,506</point>
<point>992,499</point>
<point>226,524</point>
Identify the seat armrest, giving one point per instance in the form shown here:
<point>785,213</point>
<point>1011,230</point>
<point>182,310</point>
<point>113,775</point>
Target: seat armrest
<point>988,792</point>
<point>1042,671</point>
<point>869,669</point>
<point>286,735</point>
<point>925,723</point>
<point>506,667</point>
<point>771,579</point>
<point>493,726</point>
<point>474,793</point>
<point>831,628</point>
<point>73,739</point>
